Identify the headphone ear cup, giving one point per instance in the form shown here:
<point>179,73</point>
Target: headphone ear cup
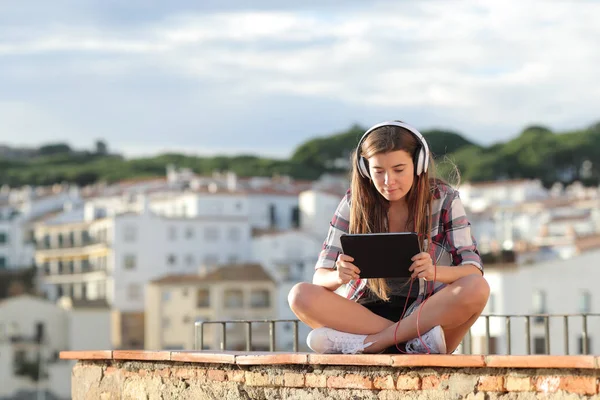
<point>362,166</point>
<point>420,164</point>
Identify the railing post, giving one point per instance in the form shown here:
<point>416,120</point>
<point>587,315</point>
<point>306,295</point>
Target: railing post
<point>547,333</point>
<point>295,336</point>
<point>528,333</point>
<point>223,340</point>
<point>566,326</point>
<point>199,335</point>
<point>584,337</point>
<point>487,334</point>
<point>248,336</point>
<point>508,337</point>
<point>271,336</point>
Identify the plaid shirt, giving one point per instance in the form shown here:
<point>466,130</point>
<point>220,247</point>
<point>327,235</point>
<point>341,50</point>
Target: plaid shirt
<point>453,243</point>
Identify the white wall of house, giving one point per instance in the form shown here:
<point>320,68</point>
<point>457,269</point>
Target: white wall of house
<point>316,210</point>
<point>147,246</point>
<point>268,211</point>
<point>479,196</point>
<point>566,286</point>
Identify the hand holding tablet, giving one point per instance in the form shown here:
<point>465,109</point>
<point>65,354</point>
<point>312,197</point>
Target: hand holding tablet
<point>382,255</point>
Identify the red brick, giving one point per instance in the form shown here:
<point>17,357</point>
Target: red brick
<point>491,383</point>
<point>579,384</point>
<point>164,372</point>
<point>185,373</point>
<point>433,381</point>
<point>143,372</point>
<point>517,384</point>
<point>546,384</point>
<point>408,382</point>
<point>216,375</point>
<point>293,379</point>
<point>235,376</point>
<point>263,379</point>
<point>316,381</point>
<point>350,381</point>
<point>384,382</point>
<point>111,370</point>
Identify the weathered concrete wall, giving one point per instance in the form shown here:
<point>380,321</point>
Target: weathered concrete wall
<point>126,380</point>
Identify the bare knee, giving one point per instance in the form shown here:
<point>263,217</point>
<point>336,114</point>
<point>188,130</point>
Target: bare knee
<point>300,295</point>
<point>475,292</point>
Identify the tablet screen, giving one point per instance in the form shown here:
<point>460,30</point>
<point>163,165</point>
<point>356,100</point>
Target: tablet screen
<point>382,255</point>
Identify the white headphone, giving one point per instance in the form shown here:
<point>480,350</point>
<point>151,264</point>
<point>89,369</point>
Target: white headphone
<point>421,159</point>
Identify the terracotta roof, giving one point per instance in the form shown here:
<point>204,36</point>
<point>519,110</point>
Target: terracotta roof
<point>232,272</point>
<point>589,242</point>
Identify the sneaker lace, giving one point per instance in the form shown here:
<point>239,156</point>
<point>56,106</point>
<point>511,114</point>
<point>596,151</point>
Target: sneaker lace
<point>416,345</point>
<point>348,345</point>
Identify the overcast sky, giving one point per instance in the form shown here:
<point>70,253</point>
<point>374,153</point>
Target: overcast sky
<point>257,77</point>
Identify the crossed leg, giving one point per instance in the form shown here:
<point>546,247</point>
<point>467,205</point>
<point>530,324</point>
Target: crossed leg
<point>456,307</point>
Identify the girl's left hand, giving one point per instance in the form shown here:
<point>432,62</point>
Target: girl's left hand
<point>422,267</point>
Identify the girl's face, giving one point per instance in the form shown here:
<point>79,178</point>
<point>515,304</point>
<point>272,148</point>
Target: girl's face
<point>392,174</point>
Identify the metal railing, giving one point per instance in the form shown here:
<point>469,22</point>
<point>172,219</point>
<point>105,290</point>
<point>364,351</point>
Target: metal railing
<point>466,345</point>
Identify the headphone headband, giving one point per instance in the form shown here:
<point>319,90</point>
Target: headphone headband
<point>421,158</point>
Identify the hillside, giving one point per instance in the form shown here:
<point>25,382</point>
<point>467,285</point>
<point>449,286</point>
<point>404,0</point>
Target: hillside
<point>537,152</point>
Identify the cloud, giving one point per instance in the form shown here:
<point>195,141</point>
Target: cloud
<point>481,67</point>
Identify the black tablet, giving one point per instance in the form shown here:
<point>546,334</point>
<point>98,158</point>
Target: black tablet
<point>382,255</point>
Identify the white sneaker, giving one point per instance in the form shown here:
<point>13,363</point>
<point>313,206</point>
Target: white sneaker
<point>329,341</point>
<point>434,339</point>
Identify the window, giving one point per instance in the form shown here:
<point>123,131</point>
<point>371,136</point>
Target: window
<point>580,348</point>
<point>539,345</point>
<point>134,291</point>
<point>2,262</point>
<point>171,259</point>
<point>72,239</point>
<point>59,291</point>
<point>85,265</point>
<point>84,291</point>
<point>129,234</point>
<point>234,234</point>
<point>47,268</point>
<point>259,299</point>
<point>202,298</point>
<point>3,237</point>
<point>211,233</point>
<point>60,267</point>
<point>234,298</point>
<point>272,215</point>
<point>186,319</point>
<point>129,261</point>
<point>70,267</point>
<point>46,241</point>
<point>85,237</point>
<point>189,232</point>
<point>585,302</point>
<point>166,296</point>
<point>172,233</point>
<point>296,217</point>
<point>61,240</point>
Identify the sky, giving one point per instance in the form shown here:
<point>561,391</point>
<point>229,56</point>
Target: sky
<point>259,77</point>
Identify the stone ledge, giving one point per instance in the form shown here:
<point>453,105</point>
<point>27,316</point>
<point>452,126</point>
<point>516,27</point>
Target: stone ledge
<point>294,379</point>
<point>404,360</point>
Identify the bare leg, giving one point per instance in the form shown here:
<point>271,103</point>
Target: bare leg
<point>455,308</point>
<point>316,306</point>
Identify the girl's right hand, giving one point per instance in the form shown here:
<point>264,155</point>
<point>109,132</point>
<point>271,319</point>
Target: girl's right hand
<point>345,269</point>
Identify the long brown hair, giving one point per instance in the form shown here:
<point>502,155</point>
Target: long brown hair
<point>369,209</point>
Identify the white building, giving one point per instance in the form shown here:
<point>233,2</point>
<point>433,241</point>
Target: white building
<point>479,196</point>
<point>317,207</point>
<point>290,258</point>
<point>32,328</point>
<point>18,207</point>
<point>230,292</point>
<point>552,287</point>
<point>91,253</point>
